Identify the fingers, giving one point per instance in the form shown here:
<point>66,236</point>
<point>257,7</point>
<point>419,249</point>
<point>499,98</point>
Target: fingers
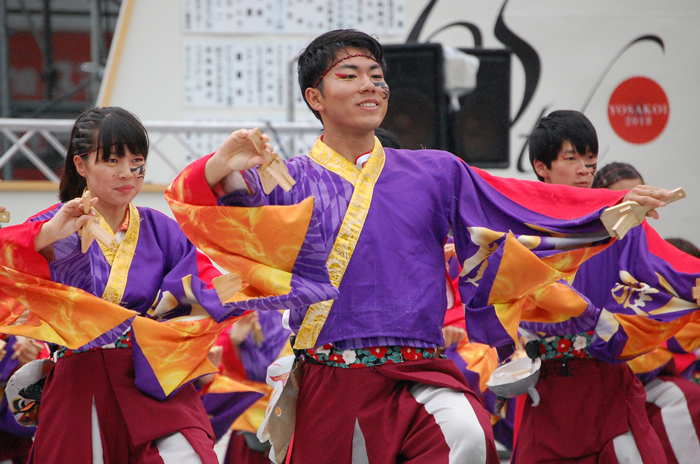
<point>650,201</point>
<point>26,350</point>
<point>239,152</point>
<point>234,142</point>
<point>650,192</point>
<point>82,220</point>
<point>453,335</point>
<point>252,316</point>
<point>248,320</point>
<point>73,204</point>
<point>242,328</point>
<point>241,133</point>
<point>245,138</point>
<point>254,161</point>
<point>649,196</point>
<point>659,193</point>
<point>74,207</point>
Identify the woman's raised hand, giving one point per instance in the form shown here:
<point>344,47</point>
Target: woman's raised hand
<point>70,218</point>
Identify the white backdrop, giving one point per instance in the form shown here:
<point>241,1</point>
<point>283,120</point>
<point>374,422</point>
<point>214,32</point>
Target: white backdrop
<point>575,41</point>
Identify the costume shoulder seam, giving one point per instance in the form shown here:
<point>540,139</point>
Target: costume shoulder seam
<point>153,212</point>
<point>44,212</point>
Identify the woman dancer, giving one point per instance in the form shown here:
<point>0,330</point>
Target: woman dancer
<point>93,407</point>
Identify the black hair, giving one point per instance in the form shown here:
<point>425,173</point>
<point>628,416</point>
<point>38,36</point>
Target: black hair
<point>386,138</point>
<point>685,246</point>
<point>558,127</point>
<point>107,130</point>
<point>613,172</point>
<point>321,52</point>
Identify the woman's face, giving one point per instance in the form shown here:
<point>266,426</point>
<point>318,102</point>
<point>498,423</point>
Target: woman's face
<point>114,182</point>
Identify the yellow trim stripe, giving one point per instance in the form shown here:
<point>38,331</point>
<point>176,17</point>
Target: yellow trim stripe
<point>121,258</point>
<point>349,232</point>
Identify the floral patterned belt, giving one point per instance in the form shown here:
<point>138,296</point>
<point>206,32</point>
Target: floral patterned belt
<point>557,348</point>
<point>367,357</point>
<point>123,341</point>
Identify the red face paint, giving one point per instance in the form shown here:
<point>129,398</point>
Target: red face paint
<point>338,61</point>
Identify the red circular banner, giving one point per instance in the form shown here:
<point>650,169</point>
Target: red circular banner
<point>638,110</point>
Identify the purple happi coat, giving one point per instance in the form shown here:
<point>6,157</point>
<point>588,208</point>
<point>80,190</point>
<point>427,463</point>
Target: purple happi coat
<point>162,258</point>
<point>393,290</point>
<point>164,266</point>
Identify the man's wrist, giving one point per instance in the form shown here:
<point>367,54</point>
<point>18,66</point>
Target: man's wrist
<point>233,182</point>
<point>215,170</point>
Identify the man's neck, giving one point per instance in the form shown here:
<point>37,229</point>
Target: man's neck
<point>348,145</point>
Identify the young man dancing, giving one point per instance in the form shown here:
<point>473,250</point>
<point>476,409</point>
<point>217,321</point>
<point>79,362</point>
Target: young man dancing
<point>373,386</point>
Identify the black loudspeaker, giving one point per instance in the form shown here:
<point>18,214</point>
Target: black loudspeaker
<point>480,134</point>
<point>418,107</point>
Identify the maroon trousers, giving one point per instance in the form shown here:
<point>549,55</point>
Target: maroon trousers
<point>238,452</point>
<point>387,414</point>
<point>579,415</point>
<point>129,420</point>
<point>14,448</point>
<point>675,416</point>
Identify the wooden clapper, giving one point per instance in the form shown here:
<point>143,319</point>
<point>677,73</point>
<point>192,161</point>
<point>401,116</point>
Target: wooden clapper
<point>619,219</point>
<point>92,230</point>
<point>272,172</point>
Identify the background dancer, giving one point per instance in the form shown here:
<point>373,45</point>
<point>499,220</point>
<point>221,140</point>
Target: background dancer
<point>673,401</point>
<point>576,380</point>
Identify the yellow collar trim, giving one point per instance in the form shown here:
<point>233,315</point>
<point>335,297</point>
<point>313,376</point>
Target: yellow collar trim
<point>338,164</point>
<point>119,256</point>
<point>350,229</point>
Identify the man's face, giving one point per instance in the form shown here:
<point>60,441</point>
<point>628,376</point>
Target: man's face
<point>354,95</point>
<point>569,168</point>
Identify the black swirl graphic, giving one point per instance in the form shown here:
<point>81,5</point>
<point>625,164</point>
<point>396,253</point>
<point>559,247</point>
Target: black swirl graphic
<point>644,38</point>
<point>473,28</point>
<point>420,22</point>
<point>527,56</point>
